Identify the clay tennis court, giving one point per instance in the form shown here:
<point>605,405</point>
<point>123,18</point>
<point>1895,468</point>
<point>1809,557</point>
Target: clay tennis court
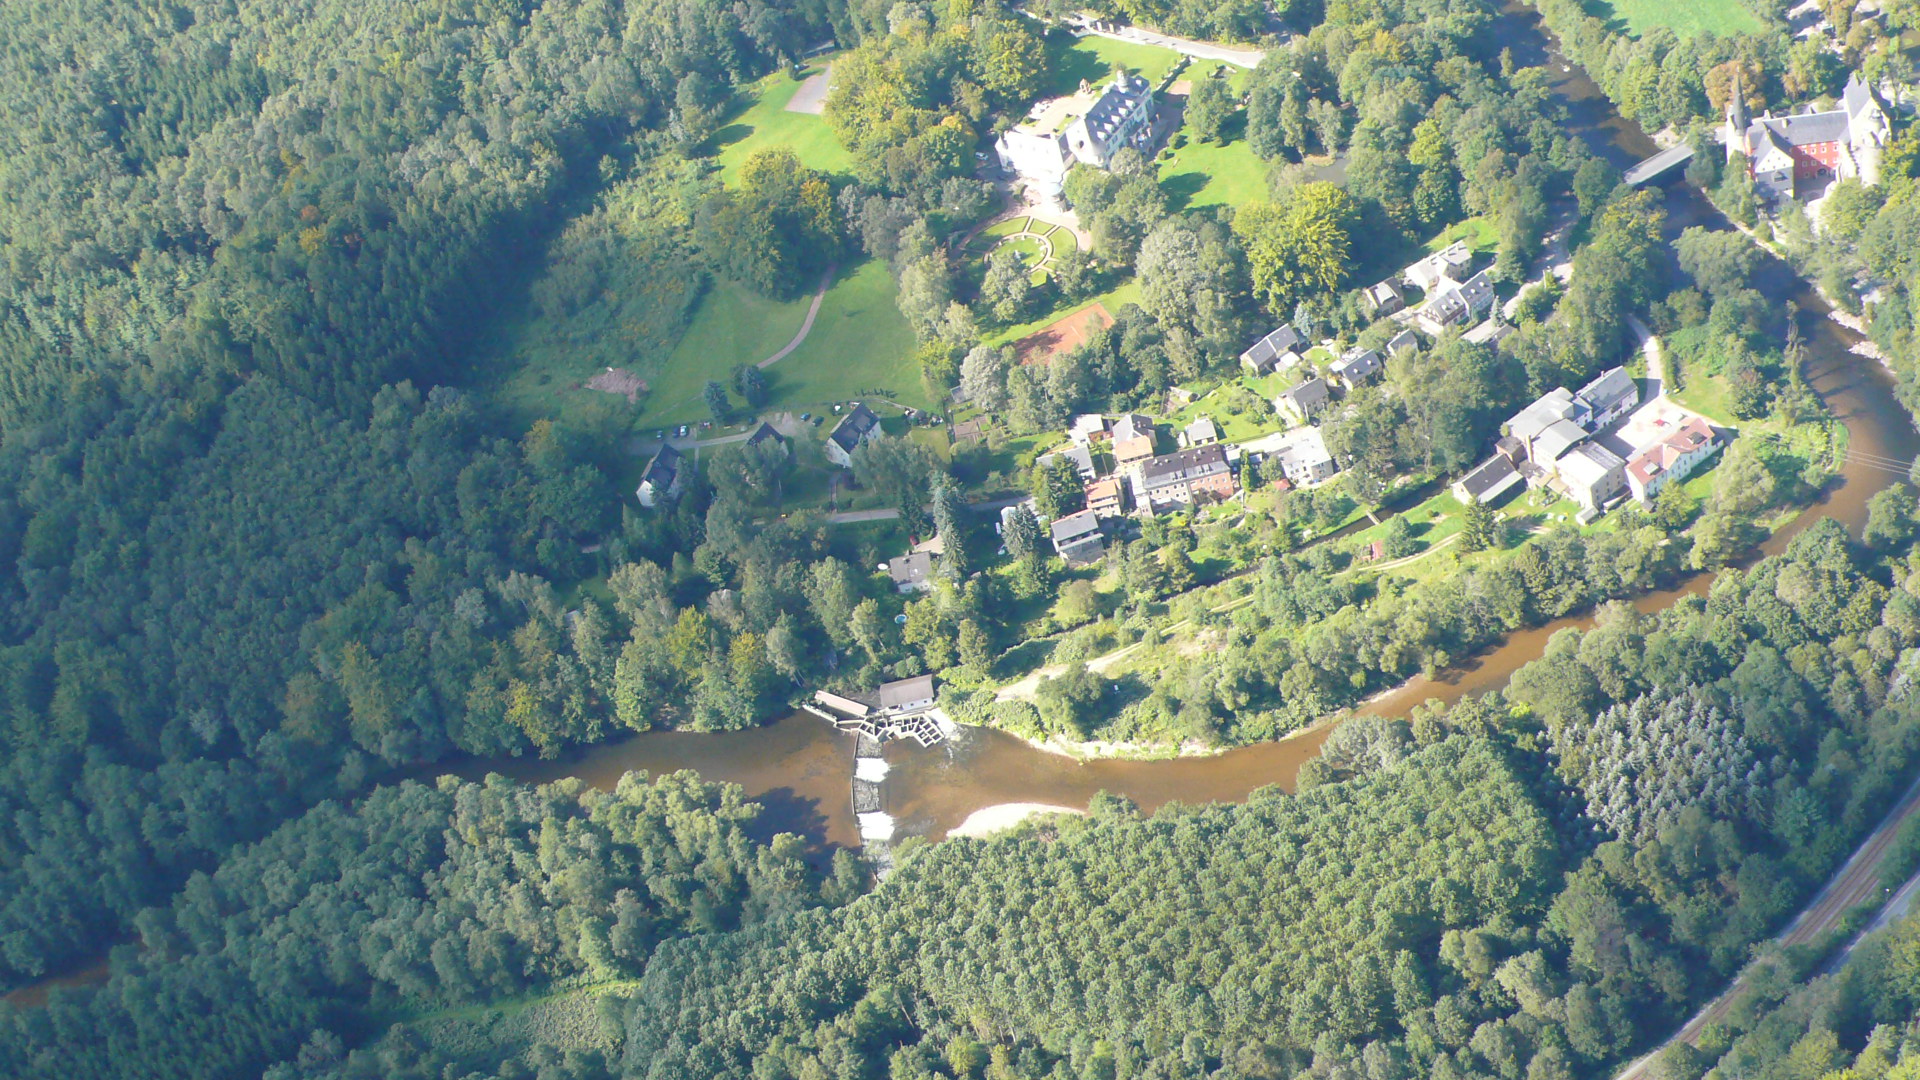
<point>1045,344</point>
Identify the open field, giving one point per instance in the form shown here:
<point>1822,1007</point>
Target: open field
<point>1480,233</point>
<point>859,341</point>
<point>765,123</point>
<point>1209,174</point>
<point>1093,59</point>
<point>1721,17</point>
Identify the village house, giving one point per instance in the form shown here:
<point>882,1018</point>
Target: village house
<point>1404,341</point>
<point>1202,432</point>
<point>1266,355</point>
<point>1087,427</point>
<point>1183,478</point>
<point>1442,265</point>
<point>1611,395</point>
<point>858,426</point>
<point>1304,458</point>
<point>1488,481</point>
<point>1673,458</point>
<point>1593,475</point>
<point>906,695</point>
<point>1455,303</point>
<point>1355,367</point>
<point>1107,497</point>
<point>1305,401</point>
<point>1132,426</point>
<point>661,478</point>
<point>1130,454</point>
<point>1077,537</point>
<point>1384,298</point>
<point>1080,456</point>
<point>1088,127</point>
<point>911,573</point>
<point>1786,153</point>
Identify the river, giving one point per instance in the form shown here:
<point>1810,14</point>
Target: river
<point>801,769</point>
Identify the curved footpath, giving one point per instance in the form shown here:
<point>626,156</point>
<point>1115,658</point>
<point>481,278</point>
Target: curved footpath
<point>806,324</point>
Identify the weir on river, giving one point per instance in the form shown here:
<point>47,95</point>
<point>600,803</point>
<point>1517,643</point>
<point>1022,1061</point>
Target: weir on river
<point>802,770</point>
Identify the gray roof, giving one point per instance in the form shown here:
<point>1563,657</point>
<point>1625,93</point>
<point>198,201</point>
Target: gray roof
<point>1268,349</point>
<point>1405,339</point>
<point>764,432</point>
<point>1856,97</point>
<point>853,427</point>
<point>1309,393</point>
<point>1491,474</point>
<point>1554,405</point>
<point>1203,428</point>
<point>1802,128</point>
<point>1081,457</point>
<point>910,569</point>
<point>663,468</point>
<point>1189,464</point>
<point>904,691</point>
<point>1356,364</point>
<point>1117,100</point>
<point>1074,527</point>
<point>1132,425</point>
<point>1608,389</point>
<point>1558,438</point>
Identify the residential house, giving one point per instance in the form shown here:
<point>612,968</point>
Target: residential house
<point>1077,537</point>
<point>1304,458</point>
<point>1356,366</point>
<point>1202,432</point>
<point>1455,303</point>
<point>1183,478</point>
<point>1488,481</point>
<point>1264,356</point>
<point>1404,341</point>
<point>1384,298</point>
<point>1132,426</point>
<point>1594,476</point>
<point>661,478</point>
<point>1446,264</point>
<point>1107,497</point>
<point>1088,127</point>
<point>1086,428</point>
<point>1785,152</point>
<point>1610,396</point>
<point>1080,456</point>
<point>1491,332</point>
<point>1674,457</point>
<point>1305,401</point>
<point>911,573</point>
<point>858,426</point>
<point>906,695</point>
<point>1130,454</point>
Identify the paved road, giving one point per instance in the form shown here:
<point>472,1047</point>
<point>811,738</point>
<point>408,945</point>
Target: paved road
<point>1199,50</point>
<point>1858,882</point>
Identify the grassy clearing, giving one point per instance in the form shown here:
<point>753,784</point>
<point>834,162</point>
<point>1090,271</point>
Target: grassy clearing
<point>1094,58</point>
<point>859,342</point>
<point>764,123</point>
<point>1480,233</point>
<point>1720,17</point>
<point>1115,298</point>
<point>1254,418</point>
<point>1201,174</point>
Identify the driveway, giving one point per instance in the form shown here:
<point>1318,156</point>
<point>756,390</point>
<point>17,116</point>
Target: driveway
<point>1199,50</point>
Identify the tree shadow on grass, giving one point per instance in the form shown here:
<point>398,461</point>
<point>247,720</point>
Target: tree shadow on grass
<point>1182,188</point>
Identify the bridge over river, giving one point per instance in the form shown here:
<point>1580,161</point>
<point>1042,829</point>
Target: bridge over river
<point>1664,162</point>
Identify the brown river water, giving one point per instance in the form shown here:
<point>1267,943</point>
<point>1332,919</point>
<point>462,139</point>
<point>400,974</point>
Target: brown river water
<point>801,769</point>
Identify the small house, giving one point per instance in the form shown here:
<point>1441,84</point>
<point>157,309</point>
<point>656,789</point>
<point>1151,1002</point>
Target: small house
<point>1080,456</point>
<point>906,695</point>
<point>1305,401</point>
<point>1404,341</point>
<point>911,573</point>
<point>1087,427</point>
<point>1107,497</point>
<point>1384,298</point>
<point>970,432</point>
<point>1129,454</point>
<point>766,433</point>
<point>1488,481</point>
<point>1077,537</point>
<point>1202,432</point>
<point>1263,356</point>
<point>1610,396</point>
<point>1355,367</point>
<point>1445,264</point>
<point>1304,458</point>
<point>661,478</point>
<point>858,426</point>
<point>1455,303</point>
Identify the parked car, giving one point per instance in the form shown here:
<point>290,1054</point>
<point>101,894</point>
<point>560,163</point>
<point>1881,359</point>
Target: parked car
<point>804,417</point>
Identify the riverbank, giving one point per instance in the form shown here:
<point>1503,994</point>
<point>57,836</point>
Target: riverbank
<point>992,819</point>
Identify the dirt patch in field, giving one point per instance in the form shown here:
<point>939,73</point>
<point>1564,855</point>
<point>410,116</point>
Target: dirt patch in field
<point>1045,344</point>
<point>618,381</point>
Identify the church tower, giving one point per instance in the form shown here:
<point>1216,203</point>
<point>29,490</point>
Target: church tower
<point>1736,119</point>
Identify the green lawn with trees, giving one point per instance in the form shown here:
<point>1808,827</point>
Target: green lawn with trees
<point>1724,18</point>
<point>765,124</point>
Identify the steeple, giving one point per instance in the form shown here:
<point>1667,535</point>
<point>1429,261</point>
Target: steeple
<point>1736,118</point>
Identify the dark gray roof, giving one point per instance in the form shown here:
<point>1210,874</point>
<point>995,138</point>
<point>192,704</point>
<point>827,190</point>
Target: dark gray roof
<point>910,569</point>
<point>1489,475</point>
<point>764,432</point>
<point>1190,464</point>
<point>1268,349</point>
<point>1356,364</point>
<point>1116,102</point>
<point>663,468</point>
<point>1405,339</point>
<point>1803,128</point>
<point>853,427</point>
<point>1311,392</point>
<point>902,691</point>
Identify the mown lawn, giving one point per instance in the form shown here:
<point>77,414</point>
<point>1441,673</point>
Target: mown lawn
<point>1685,18</point>
<point>765,123</point>
<point>1211,174</point>
<point>859,343</point>
<point>1481,234</point>
<point>1094,58</point>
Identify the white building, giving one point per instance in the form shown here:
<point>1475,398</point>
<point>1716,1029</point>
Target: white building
<point>1447,263</point>
<point>1455,303</point>
<point>1672,458</point>
<point>662,477</point>
<point>1085,128</point>
<point>857,427</point>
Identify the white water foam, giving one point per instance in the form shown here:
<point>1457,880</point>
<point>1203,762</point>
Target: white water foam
<point>871,769</point>
<point>876,826</point>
